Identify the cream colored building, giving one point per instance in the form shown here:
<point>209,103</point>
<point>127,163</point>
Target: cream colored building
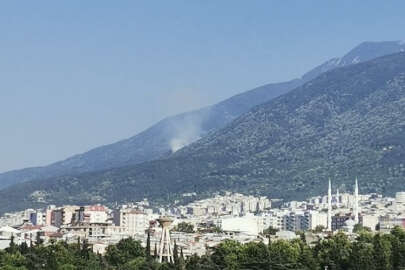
<point>133,221</point>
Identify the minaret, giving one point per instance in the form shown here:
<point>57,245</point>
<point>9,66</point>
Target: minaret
<point>330,207</point>
<point>337,199</point>
<point>356,202</point>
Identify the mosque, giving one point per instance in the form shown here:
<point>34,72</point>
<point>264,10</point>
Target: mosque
<point>349,223</point>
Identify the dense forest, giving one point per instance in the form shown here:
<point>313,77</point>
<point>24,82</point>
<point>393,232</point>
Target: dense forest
<point>368,251</point>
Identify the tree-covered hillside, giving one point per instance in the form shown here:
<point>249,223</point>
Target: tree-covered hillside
<point>174,132</point>
<point>345,123</point>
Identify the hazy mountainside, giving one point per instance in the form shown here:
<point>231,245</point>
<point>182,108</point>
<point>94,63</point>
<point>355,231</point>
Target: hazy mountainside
<point>364,52</point>
<point>161,139</point>
<point>174,132</point>
<point>347,122</point>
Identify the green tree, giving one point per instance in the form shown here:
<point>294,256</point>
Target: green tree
<point>10,267</point>
<point>125,251</point>
<point>175,254</point>
<point>85,250</point>
<point>139,263</point>
<point>334,252</point>
<point>398,248</point>
<point>319,229</point>
<point>166,266</point>
<point>148,250</point>
<point>184,227</point>
<point>23,248</point>
<point>362,256</point>
<point>254,256</point>
<point>181,263</point>
<point>38,239</point>
<point>13,247</point>
<point>155,253</point>
<point>360,228</point>
<point>201,263</point>
<point>67,267</point>
<point>12,261</point>
<point>270,231</point>
<point>227,254</point>
<point>365,236</point>
<point>306,260</point>
<point>284,254</point>
<point>382,252</point>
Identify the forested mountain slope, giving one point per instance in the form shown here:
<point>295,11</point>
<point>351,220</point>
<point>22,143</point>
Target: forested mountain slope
<point>345,123</point>
<point>174,132</point>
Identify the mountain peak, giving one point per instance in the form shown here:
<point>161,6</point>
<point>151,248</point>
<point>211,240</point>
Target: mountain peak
<point>365,51</point>
<point>372,49</point>
<point>347,122</point>
<point>175,132</point>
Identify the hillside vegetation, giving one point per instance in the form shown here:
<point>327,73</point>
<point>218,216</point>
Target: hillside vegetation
<point>345,123</point>
<point>174,132</point>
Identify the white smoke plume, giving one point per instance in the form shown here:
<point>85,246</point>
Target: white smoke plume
<point>178,143</point>
<point>187,129</point>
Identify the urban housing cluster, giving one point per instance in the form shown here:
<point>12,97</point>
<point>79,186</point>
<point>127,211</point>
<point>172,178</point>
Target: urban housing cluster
<point>203,224</point>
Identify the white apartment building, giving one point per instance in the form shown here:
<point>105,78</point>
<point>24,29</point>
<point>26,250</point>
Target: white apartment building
<point>370,221</point>
<point>274,219</point>
<point>248,224</point>
<point>315,218</point>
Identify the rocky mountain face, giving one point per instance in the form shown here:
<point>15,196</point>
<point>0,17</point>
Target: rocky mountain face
<point>364,52</point>
<point>175,132</point>
<point>346,123</point>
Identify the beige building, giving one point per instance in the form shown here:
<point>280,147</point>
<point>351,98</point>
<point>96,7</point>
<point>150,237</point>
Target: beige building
<point>91,214</point>
<point>370,221</point>
<point>316,218</point>
<point>63,215</point>
<point>133,221</point>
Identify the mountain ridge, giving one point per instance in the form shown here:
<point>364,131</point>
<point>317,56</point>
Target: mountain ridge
<point>158,140</point>
<point>345,123</point>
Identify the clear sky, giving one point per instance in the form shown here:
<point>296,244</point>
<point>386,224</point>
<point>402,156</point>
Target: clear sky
<point>79,74</point>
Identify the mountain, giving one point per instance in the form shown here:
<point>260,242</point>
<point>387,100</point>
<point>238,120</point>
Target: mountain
<point>175,132</point>
<point>363,52</point>
<point>346,123</point>
<point>161,139</point>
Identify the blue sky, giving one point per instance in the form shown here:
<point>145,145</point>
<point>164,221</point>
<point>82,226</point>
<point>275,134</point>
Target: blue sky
<point>78,74</point>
